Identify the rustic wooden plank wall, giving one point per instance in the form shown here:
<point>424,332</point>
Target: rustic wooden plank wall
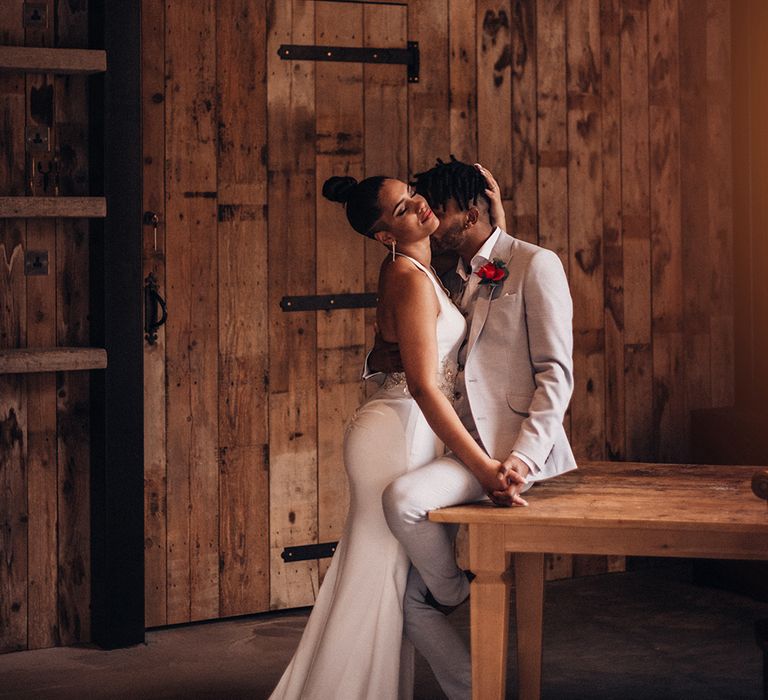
<point>44,418</point>
<point>243,328</point>
<point>13,333</point>
<point>749,61</point>
<point>589,115</point>
<point>155,424</point>
<point>605,121</point>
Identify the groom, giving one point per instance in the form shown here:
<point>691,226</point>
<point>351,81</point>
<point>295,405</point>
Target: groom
<point>514,382</point>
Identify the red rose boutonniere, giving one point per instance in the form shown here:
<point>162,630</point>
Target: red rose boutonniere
<point>493,273</point>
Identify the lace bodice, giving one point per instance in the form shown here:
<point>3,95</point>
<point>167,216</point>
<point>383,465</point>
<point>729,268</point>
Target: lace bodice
<point>451,328</point>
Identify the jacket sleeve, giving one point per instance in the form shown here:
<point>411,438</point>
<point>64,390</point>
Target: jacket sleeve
<point>549,321</point>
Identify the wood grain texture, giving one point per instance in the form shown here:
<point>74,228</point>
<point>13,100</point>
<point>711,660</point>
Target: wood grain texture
<point>636,238</point>
<point>429,119</point>
<point>42,457</point>
<point>628,495</point>
<point>720,195</point>
<point>631,508</point>
<point>52,60</point>
<point>462,69</point>
<point>494,92</point>
<point>339,148</point>
<point>14,607</point>
<point>59,359</point>
<point>42,488</point>
<point>694,204</point>
<point>292,385</point>
<point>657,266</point>
<point>153,257</point>
<point>490,591</point>
<point>523,51</point>
<point>749,57</point>
<point>243,312</point>
<point>552,164</point>
<point>669,408</point>
<point>758,214</point>
<point>585,228</point>
<point>53,207</point>
<point>587,162</point>
<point>552,129</point>
<point>529,605</point>
<point>613,254</point>
<point>192,337</point>
<point>746,357</point>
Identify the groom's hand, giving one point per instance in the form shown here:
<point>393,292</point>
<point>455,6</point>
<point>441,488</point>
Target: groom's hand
<point>512,474</point>
<point>385,357</point>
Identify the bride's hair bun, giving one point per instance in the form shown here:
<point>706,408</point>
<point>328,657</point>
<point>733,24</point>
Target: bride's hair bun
<point>339,189</point>
<point>361,200</point>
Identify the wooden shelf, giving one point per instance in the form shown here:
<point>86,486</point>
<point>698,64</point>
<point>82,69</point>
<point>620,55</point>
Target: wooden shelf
<point>53,207</point>
<point>29,360</point>
<point>27,59</point>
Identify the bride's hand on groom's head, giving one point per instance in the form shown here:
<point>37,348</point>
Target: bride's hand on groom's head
<point>385,356</point>
<point>493,192</point>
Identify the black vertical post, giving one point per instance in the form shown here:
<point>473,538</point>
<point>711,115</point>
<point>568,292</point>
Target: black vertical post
<point>117,469</point>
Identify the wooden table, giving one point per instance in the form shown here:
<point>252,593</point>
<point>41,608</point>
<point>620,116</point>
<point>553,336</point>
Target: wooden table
<point>602,508</point>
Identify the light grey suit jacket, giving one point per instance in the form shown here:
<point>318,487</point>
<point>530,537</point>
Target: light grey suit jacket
<point>519,362</point>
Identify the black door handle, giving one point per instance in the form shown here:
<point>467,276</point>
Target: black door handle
<point>152,300</point>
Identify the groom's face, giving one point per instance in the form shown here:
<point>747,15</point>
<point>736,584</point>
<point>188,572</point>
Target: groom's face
<point>450,234</point>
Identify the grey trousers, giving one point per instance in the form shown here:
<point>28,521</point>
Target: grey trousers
<point>407,501</point>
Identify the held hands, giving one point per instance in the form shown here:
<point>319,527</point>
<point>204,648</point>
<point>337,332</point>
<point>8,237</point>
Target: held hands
<point>509,480</point>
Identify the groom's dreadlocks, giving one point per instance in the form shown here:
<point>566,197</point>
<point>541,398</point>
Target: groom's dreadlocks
<point>454,180</point>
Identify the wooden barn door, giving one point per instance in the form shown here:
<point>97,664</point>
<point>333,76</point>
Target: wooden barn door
<point>325,118</point>
<point>245,404</point>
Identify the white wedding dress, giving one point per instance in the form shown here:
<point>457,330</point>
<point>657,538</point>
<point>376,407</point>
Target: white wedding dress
<point>352,647</point>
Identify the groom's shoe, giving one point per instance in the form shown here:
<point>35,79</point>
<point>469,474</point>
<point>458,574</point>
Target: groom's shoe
<point>429,599</point>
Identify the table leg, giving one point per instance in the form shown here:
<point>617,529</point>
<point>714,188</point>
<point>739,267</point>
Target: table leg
<point>489,610</point>
<point>529,595</point>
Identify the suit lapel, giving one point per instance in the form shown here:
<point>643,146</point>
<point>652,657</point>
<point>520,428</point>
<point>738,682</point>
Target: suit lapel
<point>482,306</point>
<point>503,250</point>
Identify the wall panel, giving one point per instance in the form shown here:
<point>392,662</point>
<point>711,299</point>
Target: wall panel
<point>44,418</point>
<point>606,123</point>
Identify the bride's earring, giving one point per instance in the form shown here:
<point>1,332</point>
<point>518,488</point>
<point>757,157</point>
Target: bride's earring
<point>393,251</point>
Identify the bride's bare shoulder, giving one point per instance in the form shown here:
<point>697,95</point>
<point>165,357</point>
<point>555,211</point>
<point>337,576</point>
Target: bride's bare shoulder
<point>401,274</point>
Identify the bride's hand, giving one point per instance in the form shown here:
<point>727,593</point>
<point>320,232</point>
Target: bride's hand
<point>489,475</point>
<point>503,484</point>
<point>493,192</point>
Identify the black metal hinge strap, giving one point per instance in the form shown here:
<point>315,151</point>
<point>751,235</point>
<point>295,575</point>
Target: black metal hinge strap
<point>329,302</point>
<point>348,54</point>
<point>309,551</point>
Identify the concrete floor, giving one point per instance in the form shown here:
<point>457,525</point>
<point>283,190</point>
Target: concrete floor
<point>638,635</point>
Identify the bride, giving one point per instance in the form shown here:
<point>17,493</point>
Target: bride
<point>352,647</point>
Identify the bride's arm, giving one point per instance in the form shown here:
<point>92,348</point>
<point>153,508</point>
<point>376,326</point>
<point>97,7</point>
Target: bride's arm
<point>415,314</point>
